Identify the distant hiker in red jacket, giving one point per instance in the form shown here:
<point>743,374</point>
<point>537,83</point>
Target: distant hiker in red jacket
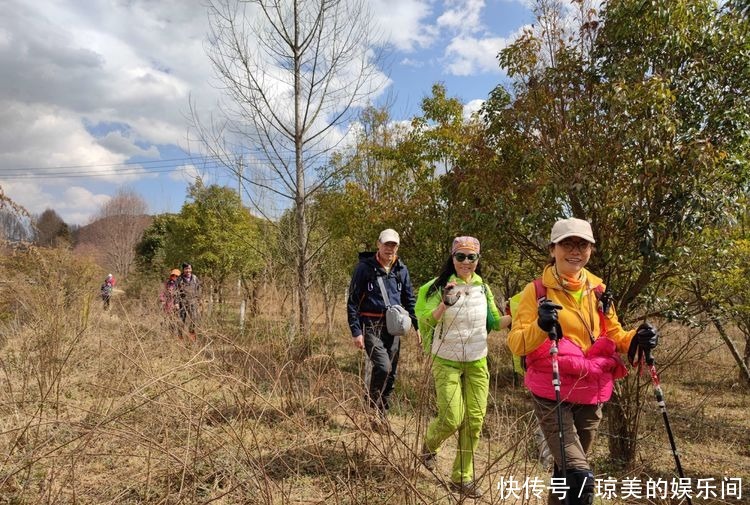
<point>106,290</point>
<point>168,299</point>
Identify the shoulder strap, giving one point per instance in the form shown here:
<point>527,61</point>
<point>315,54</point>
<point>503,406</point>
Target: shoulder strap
<point>540,289</point>
<point>599,292</point>
<point>383,291</point>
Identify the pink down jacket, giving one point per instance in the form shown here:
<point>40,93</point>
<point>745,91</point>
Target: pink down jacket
<point>585,378</point>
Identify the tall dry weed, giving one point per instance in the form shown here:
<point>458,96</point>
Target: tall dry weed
<point>120,410</point>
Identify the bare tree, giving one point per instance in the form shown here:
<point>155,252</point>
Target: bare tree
<point>294,73</point>
<point>116,229</point>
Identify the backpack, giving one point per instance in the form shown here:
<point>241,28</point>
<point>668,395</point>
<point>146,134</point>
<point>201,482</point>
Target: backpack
<point>519,362</point>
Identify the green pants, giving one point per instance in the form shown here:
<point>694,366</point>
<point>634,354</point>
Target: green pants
<point>462,390</point>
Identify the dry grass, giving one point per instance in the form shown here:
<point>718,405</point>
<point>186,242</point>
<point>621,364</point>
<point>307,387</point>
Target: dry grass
<point>102,407</point>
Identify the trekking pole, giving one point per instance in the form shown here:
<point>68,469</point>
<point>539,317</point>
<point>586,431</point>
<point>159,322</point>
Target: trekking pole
<point>663,407</point>
<point>556,384</point>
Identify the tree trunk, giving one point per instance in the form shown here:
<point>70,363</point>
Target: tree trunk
<point>622,440</point>
<point>623,416</point>
<point>300,214</point>
<point>302,274</point>
<point>743,362</point>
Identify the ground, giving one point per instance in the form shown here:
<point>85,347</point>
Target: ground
<point>120,410</point>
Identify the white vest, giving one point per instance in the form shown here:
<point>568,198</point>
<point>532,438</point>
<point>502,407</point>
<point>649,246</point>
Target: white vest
<point>461,335</point>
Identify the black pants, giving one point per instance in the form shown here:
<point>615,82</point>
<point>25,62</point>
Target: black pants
<point>382,348</point>
<point>189,316</point>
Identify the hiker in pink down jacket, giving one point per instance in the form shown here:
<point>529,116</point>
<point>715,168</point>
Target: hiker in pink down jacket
<point>585,378</point>
<point>589,346</point>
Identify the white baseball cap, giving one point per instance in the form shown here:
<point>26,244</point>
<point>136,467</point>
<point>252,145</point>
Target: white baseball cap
<point>388,235</point>
<point>571,227</point>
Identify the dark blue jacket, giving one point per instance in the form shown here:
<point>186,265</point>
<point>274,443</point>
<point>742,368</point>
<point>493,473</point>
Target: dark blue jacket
<point>364,291</point>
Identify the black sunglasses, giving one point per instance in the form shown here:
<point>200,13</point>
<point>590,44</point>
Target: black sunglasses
<point>461,257</point>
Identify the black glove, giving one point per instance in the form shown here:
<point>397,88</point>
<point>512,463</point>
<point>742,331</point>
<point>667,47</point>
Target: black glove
<point>547,312</point>
<point>450,295</point>
<point>647,337</point>
<point>644,340</point>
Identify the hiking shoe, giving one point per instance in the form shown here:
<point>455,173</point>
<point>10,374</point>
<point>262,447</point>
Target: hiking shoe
<point>468,489</point>
<point>428,459</point>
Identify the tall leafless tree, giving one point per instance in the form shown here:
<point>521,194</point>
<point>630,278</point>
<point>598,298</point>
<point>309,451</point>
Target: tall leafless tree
<point>116,229</point>
<point>294,73</point>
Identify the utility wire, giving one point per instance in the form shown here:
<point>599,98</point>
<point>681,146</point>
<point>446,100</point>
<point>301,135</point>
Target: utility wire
<point>125,168</point>
<point>69,175</point>
<point>124,163</point>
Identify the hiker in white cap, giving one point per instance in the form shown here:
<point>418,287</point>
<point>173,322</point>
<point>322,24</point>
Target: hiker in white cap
<point>380,280</point>
<point>568,332</point>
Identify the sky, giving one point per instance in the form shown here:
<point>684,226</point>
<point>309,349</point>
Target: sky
<point>96,95</point>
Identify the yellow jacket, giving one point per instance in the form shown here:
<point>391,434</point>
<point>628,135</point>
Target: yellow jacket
<point>580,322</point>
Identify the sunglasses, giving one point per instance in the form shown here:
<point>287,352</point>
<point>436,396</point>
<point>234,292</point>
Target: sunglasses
<point>461,257</point>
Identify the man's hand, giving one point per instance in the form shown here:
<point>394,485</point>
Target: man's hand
<point>359,342</point>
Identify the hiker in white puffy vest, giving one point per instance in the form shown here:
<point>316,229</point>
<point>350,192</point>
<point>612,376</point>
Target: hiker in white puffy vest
<point>377,276</point>
<point>457,310</point>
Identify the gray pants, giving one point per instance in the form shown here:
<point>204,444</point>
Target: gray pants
<point>580,424</point>
<point>382,349</point>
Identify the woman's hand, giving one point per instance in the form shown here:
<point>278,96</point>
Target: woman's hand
<point>450,294</point>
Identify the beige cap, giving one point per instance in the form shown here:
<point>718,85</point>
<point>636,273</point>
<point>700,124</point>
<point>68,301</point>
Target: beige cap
<point>571,227</point>
<point>388,235</point>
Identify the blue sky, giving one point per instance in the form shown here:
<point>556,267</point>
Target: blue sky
<point>91,88</point>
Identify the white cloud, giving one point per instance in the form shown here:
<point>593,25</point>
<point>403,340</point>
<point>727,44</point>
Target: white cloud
<point>409,62</point>
<point>123,143</point>
<point>78,204</point>
<point>95,83</point>
<point>187,174</point>
<point>472,107</point>
<point>404,23</point>
<point>467,55</point>
<point>464,16</point>
<point>44,136</point>
<point>529,4</point>
<point>73,69</point>
<point>74,204</point>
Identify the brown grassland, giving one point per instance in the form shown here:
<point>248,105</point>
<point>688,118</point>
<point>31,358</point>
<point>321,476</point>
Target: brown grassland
<point>110,407</point>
